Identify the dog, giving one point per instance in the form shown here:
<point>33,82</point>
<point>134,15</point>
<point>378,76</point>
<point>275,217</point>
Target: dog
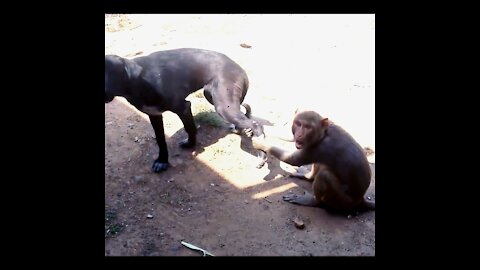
<point>162,80</point>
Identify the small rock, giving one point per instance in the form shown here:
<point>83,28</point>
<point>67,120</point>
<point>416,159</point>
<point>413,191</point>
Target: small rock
<point>299,223</point>
<point>349,216</point>
<point>137,139</point>
<point>108,123</point>
<point>243,45</point>
<point>369,198</point>
<point>149,216</point>
<point>138,178</point>
<point>212,184</point>
<point>246,202</point>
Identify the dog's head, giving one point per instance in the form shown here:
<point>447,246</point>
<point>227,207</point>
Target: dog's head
<point>118,74</point>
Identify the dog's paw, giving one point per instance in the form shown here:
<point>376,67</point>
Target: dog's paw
<point>248,132</point>
<point>186,144</point>
<point>159,166</point>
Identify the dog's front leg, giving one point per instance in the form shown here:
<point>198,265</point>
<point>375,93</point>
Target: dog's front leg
<point>161,163</point>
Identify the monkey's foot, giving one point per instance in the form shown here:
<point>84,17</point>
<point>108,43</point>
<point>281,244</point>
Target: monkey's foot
<point>299,175</point>
<point>159,166</point>
<point>366,206</point>
<point>306,199</point>
<point>302,173</point>
<point>187,144</point>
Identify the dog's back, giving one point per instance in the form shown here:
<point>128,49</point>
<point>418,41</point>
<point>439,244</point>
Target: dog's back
<point>198,66</point>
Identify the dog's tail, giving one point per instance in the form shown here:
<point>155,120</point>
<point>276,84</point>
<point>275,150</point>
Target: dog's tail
<point>248,110</point>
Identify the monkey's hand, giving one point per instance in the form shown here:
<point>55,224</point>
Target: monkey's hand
<point>260,143</point>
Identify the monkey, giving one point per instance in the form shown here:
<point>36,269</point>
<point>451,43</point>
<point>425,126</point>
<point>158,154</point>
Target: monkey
<point>340,172</point>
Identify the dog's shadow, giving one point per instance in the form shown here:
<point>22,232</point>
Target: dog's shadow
<point>272,163</point>
<point>211,128</point>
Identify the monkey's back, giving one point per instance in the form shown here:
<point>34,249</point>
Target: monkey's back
<point>345,158</point>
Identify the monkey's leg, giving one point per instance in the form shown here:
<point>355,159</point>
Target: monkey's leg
<point>323,190</point>
<point>332,193</point>
<point>307,176</point>
<point>307,198</point>
<point>364,206</point>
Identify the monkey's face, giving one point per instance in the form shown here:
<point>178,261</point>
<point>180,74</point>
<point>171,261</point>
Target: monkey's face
<point>307,129</point>
<point>303,132</point>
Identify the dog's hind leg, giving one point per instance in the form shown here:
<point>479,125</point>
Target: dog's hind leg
<point>247,111</point>
<point>207,92</point>
<point>227,98</point>
<point>250,127</point>
<point>161,163</point>
<point>184,111</point>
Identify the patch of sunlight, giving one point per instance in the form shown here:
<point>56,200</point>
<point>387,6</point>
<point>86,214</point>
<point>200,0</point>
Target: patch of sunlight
<point>274,190</point>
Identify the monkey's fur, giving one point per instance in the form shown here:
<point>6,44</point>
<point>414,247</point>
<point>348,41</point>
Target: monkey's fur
<point>340,172</point>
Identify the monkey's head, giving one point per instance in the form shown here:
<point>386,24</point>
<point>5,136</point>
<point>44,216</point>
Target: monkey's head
<point>308,128</point>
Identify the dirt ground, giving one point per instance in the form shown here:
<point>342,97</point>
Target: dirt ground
<point>213,196</point>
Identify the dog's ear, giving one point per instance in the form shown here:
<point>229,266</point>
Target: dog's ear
<point>132,69</point>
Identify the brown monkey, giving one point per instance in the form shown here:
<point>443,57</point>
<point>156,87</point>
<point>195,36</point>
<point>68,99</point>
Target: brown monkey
<point>340,172</point>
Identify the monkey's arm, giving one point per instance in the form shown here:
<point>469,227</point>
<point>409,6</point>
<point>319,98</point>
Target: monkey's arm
<point>309,175</point>
<point>294,158</point>
<point>281,132</point>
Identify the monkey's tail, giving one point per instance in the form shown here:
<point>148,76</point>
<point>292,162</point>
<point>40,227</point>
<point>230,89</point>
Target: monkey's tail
<point>366,206</point>
<point>248,109</point>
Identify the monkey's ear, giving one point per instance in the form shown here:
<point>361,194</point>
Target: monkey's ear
<point>324,122</point>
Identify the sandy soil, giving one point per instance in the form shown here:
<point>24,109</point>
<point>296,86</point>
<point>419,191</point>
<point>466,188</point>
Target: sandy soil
<point>213,196</point>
